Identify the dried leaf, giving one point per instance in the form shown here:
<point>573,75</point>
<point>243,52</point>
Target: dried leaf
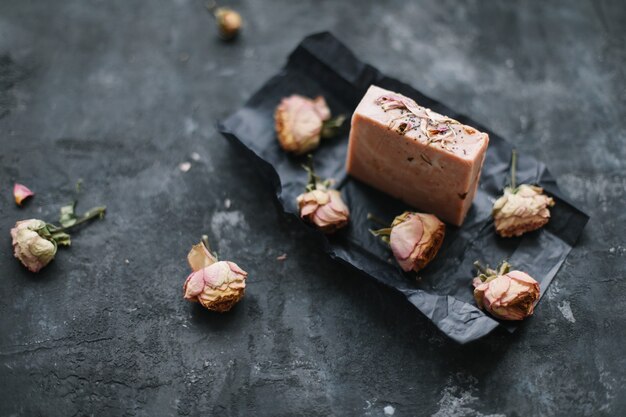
<point>199,257</point>
<point>68,216</point>
<point>331,127</point>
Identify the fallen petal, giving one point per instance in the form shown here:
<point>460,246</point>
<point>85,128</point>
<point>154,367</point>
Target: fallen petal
<point>21,193</point>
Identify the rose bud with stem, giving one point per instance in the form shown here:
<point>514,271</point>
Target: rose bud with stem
<point>35,242</point>
<point>216,285</point>
<point>415,238</point>
<point>321,205</point>
<point>522,208</point>
<point>505,294</point>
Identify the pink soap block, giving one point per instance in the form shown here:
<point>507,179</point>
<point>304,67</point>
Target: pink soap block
<point>427,160</point>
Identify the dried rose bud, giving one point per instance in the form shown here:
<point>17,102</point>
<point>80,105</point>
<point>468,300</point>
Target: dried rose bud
<point>324,208</point>
<point>415,239</point>
<point>507,295</point>
<point>301,122</point>
<point>217,285</point>
<point>320,205</point>
<point>520,210</point>
<point>30,246</point>
<point>228,22</point>
<point>21,193</point>
<point>35,242</point>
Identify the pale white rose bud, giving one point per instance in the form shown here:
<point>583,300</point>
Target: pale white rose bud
<point>30,247</point>
<point>520,209</point>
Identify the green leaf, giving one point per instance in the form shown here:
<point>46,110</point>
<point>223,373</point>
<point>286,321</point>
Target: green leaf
<point>68,216</point>
<point>44,231</point>
<point>381,232</point>
<point>62,238</point>
<point>331,127</point>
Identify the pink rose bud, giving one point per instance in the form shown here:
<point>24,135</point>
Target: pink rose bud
<point>506,295</point>
<point>415,239</point>
<point>324,208</point>
<point>520,209</point>
<point>217,285</point>
<point>21,193</point>
<point>30,247</point>
<point>301,122</point>
<point>320,205</point>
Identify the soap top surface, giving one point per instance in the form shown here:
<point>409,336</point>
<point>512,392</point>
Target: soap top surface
<point>403,115</point>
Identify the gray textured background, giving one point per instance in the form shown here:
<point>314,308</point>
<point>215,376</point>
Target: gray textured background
<point>119,93</point>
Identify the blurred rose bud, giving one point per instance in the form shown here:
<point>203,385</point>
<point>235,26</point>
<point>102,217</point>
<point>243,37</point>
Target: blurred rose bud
<point>299,123</point>
<point>228,22</point>
<point>21,193</point>
<point>217,287</point>
<point>506,295</point>
<point>324,208</point>
<point>415,239</point>
<point>33,250</point>
<point>520,210</point>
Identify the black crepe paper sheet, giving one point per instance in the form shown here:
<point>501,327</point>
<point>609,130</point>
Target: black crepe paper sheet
<point>322,65</point>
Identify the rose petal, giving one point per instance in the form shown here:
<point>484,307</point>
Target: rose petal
<point>199,257</point>
<point>498,287</point>
<point>235,268</point>
<point>521,276</point>
<point>321,108</point>
<point>308,209</point>
<point>216,274</point>
<point>21,193</point>
<point>194,284</point>
<point>320,196</point>
<point>405,236</point>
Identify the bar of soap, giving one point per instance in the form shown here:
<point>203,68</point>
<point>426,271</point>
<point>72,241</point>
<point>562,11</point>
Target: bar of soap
<point>423,158</point>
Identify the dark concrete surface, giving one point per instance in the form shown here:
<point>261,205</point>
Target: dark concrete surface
<point>119,93</point>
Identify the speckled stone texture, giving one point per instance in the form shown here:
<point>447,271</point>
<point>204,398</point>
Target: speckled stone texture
<point>120,93</point>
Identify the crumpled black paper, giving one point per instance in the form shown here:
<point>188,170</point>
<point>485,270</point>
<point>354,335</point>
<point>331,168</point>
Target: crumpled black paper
<point>321,65</point>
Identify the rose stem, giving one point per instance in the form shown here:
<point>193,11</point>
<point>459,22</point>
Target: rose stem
<point>480,268</point>
<point>91,214</point>
<point>312,180</point>
<point>378,220</point>
<point>211,6</point>
<point>513,164</point>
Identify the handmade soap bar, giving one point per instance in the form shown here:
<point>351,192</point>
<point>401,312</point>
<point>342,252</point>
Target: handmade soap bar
<point>423,158</point>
